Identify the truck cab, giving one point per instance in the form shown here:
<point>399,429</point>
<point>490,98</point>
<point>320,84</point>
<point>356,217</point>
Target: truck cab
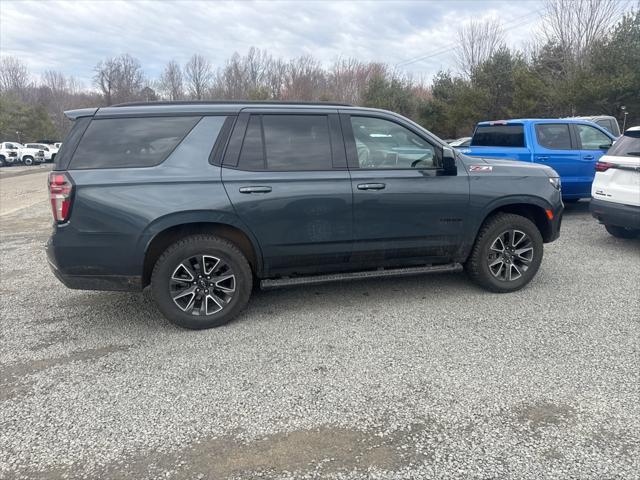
<point>570,146</point>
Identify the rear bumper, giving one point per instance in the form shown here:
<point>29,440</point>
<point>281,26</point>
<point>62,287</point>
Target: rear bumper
<point>617,214</point>
<point>75,281</point>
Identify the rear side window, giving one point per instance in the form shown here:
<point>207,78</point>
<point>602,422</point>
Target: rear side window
<point>498,136</point>
<point>554,136</point>
<point>286,143</point>
<point>70,143</point>
<point>627,145</point>
<point>130,142</point>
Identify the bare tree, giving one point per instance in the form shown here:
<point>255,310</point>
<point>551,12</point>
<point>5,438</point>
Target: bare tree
<point>199,75</point>
<point>120,79</point>
<point>478,40</point>
<point>14,75</point>
<point>171,81</point>
<point>574,25</point>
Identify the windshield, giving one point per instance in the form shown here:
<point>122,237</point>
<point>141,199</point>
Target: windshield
<point>498,136</point>
<point>627,145</point>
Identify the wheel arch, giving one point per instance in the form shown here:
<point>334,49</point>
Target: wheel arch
<point>533,208</point>
<point>169,230</point>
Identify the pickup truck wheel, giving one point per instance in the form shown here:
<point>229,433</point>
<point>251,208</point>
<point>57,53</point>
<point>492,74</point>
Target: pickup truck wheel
<point>27,160</point>
<point>201,281</point>
<point>621,232</point>
<point>507,253</point>
<point>1,161</point>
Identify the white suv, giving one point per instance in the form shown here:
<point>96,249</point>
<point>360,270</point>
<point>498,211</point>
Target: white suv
<point>616,187</point>
<point>9,153</point>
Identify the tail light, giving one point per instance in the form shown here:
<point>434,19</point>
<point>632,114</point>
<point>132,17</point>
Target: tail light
<point>604,166</point>
<point>60,191</point>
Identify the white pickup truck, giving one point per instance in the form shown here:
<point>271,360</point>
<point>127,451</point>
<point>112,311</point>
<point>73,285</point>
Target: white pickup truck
<point>50,151</point>
<point>12,153</point>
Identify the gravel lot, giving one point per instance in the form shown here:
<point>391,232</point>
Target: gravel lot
<point>425,377</point>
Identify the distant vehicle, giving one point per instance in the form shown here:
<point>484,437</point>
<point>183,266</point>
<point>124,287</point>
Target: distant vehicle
<point>8,153</point>
<point>30,155</point>
<point>571,147</point>
<point>461,142</point>
<point>49,150</point>
<point>616,187</point>
<point>204,201</point>
<point>47,142</point>
<point>57,145</point>
<point>607,122</point>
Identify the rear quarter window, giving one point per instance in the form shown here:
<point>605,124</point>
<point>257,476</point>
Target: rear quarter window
<point>626,146</point>
<point>498,136</point>
<point>130,142</point>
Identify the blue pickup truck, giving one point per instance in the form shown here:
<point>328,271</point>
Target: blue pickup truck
<point>570,146</point>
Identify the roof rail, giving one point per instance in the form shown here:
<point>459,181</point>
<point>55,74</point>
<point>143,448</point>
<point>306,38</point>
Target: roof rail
<point>231,102</point>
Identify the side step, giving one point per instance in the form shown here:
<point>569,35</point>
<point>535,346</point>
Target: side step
<point>391,272</point>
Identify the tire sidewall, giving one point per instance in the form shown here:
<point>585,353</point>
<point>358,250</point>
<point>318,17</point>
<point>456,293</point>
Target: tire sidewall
<point>490,236</point>
<point>202,246</point>
<point>28,161</point>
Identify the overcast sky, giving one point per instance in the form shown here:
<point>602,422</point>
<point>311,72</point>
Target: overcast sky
<point>73,36</point>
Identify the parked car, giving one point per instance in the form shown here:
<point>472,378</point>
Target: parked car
<point>607,122</point>
<point>616,188</point>
<point>29,155</point>
<point>570,147</point>
<point>50,151</point>
<point>8,153</point>
<point>200,201</point>
<point>461,142</point>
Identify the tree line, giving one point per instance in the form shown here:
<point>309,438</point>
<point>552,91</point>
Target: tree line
<point>586,61</point>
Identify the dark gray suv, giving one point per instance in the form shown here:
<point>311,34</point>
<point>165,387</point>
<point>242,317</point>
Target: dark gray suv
<point>204,201</point>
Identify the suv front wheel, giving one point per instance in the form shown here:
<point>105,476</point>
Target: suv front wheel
<point>507,253</point>
<point>201,281</point>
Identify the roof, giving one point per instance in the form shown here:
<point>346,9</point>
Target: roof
<point>530,120</point>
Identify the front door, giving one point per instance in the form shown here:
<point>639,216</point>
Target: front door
<point>286,177</point>
<point>405,211</point>
<point>593,144</point>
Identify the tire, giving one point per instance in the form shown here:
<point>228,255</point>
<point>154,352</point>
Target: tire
<point>507,271</point>
<point>621,232</point>
<point>186,258</point>
<point>28,160</point>
<point>2,162</point>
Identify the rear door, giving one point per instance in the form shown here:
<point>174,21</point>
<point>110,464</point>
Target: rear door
<point>556,148</point>
<point>592,143</point>
<point>286,176</point>
<point>405,211</point>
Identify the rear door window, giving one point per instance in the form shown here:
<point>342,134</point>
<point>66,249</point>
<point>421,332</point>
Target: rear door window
<point>498,136</point>
<point>130,142</point>
<point>554,136</point>
<point>286,143</point>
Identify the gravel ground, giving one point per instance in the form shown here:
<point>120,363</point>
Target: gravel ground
<point>424,377</point>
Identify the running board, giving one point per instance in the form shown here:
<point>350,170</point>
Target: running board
<point>391,272</point>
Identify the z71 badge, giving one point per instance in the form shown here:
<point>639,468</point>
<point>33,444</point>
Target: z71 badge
<point>480,168</point>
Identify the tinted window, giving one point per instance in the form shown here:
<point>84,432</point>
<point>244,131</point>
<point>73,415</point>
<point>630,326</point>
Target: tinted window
<point>297,142</point>
<point>498,136</point>
<point>70,142</point>
<point>592,138</point>
<point>627,145</point>
<point>252,152</point>
<point>385,144</point>
<point>130,142</point>
<point>554,136</point>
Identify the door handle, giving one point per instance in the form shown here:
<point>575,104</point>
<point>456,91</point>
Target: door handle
<point>371,186</point>
<point>255,189</point>
<point>542,157</point>
<point>588,157</point>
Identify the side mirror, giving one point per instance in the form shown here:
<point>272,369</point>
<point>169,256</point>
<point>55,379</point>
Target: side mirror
<point>605,146</point>
<point>449,161</point>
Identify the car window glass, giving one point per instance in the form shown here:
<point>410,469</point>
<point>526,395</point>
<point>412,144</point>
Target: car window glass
<point>498,136</point>
<point>130,142</point>
<point>592,138</point>
<point>252,152</point>
<point>297,142</point>
<point>627,145</point>
<point>554,136</point>
<point>385,144</point>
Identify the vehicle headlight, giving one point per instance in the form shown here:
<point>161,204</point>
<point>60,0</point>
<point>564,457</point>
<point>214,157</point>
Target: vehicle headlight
<point>555,181</point>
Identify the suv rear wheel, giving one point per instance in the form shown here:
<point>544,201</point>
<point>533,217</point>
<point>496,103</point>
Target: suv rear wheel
<point>201,281</point>
<point>507,253</point>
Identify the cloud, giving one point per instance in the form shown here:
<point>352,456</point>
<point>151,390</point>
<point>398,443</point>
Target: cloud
<point>74,36</point>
